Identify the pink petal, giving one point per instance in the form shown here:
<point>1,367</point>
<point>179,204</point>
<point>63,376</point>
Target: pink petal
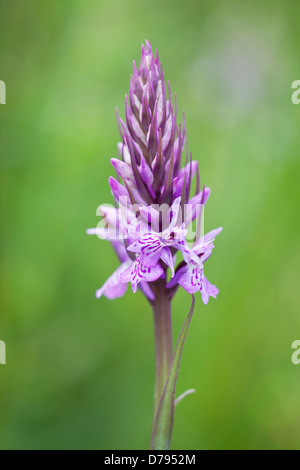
<point>187,253</point>
<point>153,273</point>
<point>117,189</point>
<point>138,272</point>
<point>109,213</point>
<point>212,290</point>
<point>175,208</point>
<point>167,258</point>
<point>205,297</point>
<point>211,235</point>
<point>186,283</point>
<point>123,169</point>
<point>146,172</point>
<point>114,287</point>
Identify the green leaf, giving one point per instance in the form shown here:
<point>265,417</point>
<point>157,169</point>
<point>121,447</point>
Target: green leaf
<point>163,423</point>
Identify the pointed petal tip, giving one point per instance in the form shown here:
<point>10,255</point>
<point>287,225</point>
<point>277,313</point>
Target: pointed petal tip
<point>134,287</point>
<point>148,44</point>
<point>98,293</point>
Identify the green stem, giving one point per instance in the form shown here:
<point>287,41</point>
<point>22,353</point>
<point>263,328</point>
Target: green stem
<point>163,338</point>
<point>164,418</point>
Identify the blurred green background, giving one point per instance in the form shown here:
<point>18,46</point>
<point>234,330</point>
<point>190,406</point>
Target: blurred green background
<point>80,371</point>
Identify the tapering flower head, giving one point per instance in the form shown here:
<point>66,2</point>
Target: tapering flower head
<point>152,192</point>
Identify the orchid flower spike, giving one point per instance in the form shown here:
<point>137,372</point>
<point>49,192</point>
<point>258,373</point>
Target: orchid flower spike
<point>152,192</point>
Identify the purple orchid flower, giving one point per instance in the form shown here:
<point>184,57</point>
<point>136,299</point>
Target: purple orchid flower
<point>191,277</point>
<point>154,211</point>
<point>153,246</point>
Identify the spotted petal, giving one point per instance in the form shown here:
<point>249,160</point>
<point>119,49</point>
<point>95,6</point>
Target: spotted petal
<point>149,246</point>
<point>193,280</point>
<point>138,272</point>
